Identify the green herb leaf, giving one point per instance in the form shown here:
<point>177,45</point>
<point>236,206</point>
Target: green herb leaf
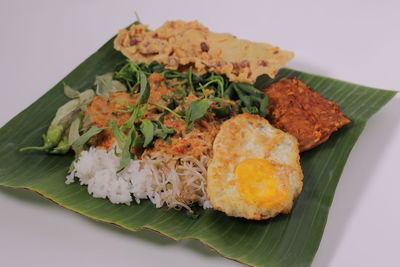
<point>222,111</point>
<point>214,82</point>
<point>125,76</point>
<point>126,150</point>
<point>118,134</point>
<point>161,131</point>
<point>170,74</point>
<point>137,144</point>
<point>264,101</point>
<point>129,75</point>
<point>190,79</point>
<point>137,114</point>
<point>156,67</point>
<point>147,129</point>
<point>86,136</point>
<point>198,108</point>
<point>187,114</point>
<point>144,89</point>
<point>249,98</point>
<point>166,108</point>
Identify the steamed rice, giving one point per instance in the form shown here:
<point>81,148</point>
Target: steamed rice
<point>164,180</point>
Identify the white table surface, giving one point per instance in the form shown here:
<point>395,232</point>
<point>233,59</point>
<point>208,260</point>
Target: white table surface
<point>357,41</point>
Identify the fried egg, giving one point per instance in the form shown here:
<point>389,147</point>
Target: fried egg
<point>255,171</point>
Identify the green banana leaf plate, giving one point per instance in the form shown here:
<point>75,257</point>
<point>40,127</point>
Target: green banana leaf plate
<point>287,240</point>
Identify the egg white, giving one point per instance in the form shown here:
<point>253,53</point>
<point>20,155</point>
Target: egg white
<point>244,137</point>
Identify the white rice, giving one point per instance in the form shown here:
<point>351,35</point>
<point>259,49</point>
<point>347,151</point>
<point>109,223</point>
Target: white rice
<point>164,180</point>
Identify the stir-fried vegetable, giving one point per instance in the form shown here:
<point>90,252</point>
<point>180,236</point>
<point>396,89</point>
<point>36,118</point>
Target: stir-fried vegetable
<point>189,98</point>
<point>250,99</point>
<point>247,96</point>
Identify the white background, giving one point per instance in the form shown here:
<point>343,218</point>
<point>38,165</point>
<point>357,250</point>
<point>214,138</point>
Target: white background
<point>357,41</point>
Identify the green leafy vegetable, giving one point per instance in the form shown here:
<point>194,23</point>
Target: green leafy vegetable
<point>250,99</point>
<point>129,75</point>
<point>144,89</point>
<point>84,138</point>
<point>197,109</point>
<point>147,129</point>
<point>170,74</point>
<point>155,67</point>
<point>126,150</point>
<point>161,131</point>
<point>138,112</point>
<point>222,108</point>
<point>118,134</point>
<point>137,144</point>
<point>212,79</point>
<point>190,79</point>
<point>133,139</point>
<point>166,108</point>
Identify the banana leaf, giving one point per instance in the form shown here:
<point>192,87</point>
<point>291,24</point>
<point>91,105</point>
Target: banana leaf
<point>287,240</point>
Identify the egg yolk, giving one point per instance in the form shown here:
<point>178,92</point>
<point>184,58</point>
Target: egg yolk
<point>258,185</point>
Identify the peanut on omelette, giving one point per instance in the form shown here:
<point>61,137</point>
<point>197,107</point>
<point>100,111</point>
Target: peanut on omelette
<point>179,44</point>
